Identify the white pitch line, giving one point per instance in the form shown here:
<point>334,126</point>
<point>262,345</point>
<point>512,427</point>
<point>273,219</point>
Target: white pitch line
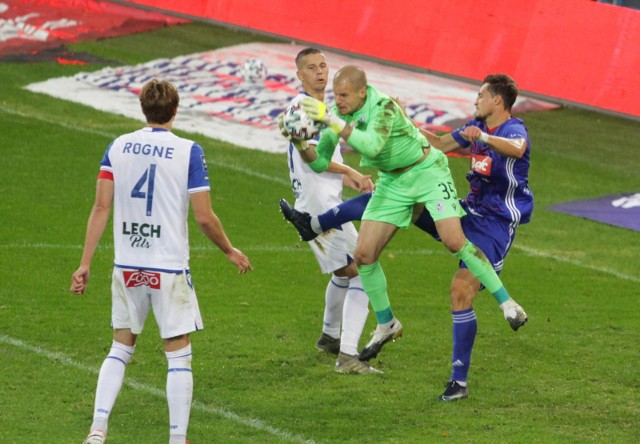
<point>242,169</point>
<point>540,253</point>
<point>230,166</point>
<point>252,173</point>
<point>43,119</point>
<point>150,390</point>
<point>299,248</point>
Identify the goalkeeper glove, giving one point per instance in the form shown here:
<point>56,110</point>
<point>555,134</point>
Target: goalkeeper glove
<point>317,110</point>
<point>301,145</point>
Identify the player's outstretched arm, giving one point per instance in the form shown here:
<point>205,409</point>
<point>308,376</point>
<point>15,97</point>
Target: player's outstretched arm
<point>353,178</point>
<point>211,226</point>
<point>95,227</point>
<point>445,143</point>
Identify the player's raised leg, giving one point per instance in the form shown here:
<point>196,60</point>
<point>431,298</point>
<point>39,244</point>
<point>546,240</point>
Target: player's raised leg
<point>310,226</point>
<point>453,238</point>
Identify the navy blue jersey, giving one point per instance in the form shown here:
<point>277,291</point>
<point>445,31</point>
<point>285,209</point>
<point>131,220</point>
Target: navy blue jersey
<point>499,184</point>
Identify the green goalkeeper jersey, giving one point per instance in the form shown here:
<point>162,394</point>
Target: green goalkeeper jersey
<point>383,135</point>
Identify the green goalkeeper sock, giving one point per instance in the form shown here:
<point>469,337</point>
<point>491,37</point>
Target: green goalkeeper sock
<point>375,285</point>
<point>482,269</point>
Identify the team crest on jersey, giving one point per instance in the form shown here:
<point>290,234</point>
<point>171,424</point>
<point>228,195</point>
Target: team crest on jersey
<point>141,278</point>
<point>481,164</point>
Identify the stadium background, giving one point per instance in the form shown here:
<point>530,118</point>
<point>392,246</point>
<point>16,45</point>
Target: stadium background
<point>578,51</point>
<point>569,376</point>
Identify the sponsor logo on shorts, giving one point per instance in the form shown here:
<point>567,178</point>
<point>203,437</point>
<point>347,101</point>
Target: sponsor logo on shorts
<point>142,279</point>
<point>440,205</point>
<point>481,164</point>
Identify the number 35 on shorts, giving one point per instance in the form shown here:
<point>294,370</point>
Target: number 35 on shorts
<point>448,190</point>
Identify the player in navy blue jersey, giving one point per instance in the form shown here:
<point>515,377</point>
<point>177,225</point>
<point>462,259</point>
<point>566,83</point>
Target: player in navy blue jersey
<point>498,201</point>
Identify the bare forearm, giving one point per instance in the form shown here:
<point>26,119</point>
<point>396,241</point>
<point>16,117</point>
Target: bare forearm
<point>445,143</point>
<point>507,147</point>
<point>308,155</point>
<point>339,168</point>
<point>95,228</point>
<point>212,228</point>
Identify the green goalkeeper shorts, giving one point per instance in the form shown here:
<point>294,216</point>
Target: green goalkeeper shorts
<point>429,182</point>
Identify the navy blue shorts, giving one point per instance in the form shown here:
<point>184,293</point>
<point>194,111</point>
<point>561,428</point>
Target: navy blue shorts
<point>493,236</point>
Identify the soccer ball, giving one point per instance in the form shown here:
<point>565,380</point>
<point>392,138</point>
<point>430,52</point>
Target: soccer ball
<point>253,70</point>
<point>299,125</point>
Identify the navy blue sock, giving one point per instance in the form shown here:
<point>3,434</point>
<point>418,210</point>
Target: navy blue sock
<point>348,211</point>
<point>425,223</point>
<point>465,327</point>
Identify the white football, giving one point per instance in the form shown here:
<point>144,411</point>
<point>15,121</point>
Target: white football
<point>299,125</point>
<point>254,70</point>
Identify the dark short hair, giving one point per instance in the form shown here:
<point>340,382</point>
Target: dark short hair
<point>305,52</point>
<point>159,100</point>
<point>503,86</point>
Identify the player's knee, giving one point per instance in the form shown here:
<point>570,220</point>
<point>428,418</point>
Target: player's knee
<point>461,300</point>
<point>364,258</point>
<point>454,243</point>
<point>179,359</point>
<point>121,352</point>
<point>464,289</point>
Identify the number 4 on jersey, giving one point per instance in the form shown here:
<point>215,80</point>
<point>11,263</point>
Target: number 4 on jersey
<point>137,193</point>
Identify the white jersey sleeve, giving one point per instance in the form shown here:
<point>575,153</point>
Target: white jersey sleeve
<point>154,171</point>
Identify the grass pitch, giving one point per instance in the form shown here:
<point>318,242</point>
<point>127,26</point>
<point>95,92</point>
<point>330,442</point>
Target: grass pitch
<point>570,375</point>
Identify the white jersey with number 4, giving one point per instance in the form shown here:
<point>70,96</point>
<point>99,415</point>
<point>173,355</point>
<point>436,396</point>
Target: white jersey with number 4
<point>153,171</point>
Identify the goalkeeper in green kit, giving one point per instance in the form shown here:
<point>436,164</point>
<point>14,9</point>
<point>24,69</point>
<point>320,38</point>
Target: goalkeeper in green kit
<point>410,172</point>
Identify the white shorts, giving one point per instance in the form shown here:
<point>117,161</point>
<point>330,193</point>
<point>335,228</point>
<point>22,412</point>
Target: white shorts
<point>334,248</point>
<point>171,296</point>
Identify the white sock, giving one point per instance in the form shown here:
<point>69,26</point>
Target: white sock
<point>110,383</point>
<point>354,316</point>
<point>179,392</point>
<point>315,225</point>
<point>333,303</point>
<point>177,439</point>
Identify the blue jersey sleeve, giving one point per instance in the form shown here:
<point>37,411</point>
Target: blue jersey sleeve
<point>105,163</point>
<point>514,129</point>
<point>198,172</point>
<point>461,140</point>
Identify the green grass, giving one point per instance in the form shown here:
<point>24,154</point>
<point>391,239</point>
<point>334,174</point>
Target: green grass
<point>570,375</point>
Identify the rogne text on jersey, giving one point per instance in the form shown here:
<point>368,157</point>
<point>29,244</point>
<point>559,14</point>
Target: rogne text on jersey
<point>148,150</point>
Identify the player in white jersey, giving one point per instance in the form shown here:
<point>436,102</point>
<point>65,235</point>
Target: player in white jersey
<point>346,303</point>
<point>150,176</point>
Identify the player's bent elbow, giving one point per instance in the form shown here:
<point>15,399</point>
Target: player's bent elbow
<point>204,220</point>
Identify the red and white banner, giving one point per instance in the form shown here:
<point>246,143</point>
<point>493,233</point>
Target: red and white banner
<point>28,26</point>
<point>216,102</point>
